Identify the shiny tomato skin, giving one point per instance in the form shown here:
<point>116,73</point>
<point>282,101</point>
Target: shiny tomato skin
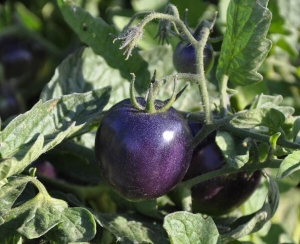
<point>141,155</point>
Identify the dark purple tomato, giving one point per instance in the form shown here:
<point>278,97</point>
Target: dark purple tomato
<point>15,57</point>
<point>20,58</point>
<point>222,194</point>
<point>142,155</point>
<point>10,104</point>
<point>184,58</point>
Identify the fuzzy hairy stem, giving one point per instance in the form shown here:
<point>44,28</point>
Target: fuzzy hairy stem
<point>199,47</point>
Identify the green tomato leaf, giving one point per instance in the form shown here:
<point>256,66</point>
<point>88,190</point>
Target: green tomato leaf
<point>185,227</point>
<point>97,34</point>
<point>290,164</point>
<point>244,45</point>
<point>46,125</point>
<point>263,151</point>
<point>252,223</point>
<point>9,194</point>
<point>296,129</point>
<point>21,159</point>
<point>148,208</point>
<point>34,217</point>
<point>269,117</point>
<point>131,228</point>
<point>265,101</point>
<point>235,154</point>
<point>84,71</point>
<point>77,225</point>
<point>274,138</point>
<point>42,214</point>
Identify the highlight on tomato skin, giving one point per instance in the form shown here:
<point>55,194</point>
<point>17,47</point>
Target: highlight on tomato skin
<point>141,155</point>
<point>219,195</point>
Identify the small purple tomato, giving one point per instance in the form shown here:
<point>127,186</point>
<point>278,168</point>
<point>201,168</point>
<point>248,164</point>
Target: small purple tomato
<point>184,58</point>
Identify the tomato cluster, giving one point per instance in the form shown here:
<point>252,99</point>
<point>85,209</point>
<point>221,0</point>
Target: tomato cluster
<point>222,194</point>
<point>145,155</point>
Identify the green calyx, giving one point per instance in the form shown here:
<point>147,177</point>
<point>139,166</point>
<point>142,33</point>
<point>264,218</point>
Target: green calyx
<point>151,97</point>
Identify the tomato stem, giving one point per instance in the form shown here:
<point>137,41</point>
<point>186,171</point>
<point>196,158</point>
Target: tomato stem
<point>171,100</point>
<point>150,102</point>
<point>199,49</point>
<point>186,197</point>
<point>224,99</point>
<point>269,163</point>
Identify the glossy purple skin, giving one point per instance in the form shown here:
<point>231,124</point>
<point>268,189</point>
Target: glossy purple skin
<point>219,195</point>
<point>184,58</point>
<point>143,156</point>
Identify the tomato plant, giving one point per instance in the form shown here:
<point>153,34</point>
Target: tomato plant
<point>247,105</point>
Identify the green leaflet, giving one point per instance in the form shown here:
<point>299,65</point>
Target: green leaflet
<point>235,154</point>
<point>132,228</point>
<point>290,164</point>
<point>84,71</point>
<point>185,227</point>
<point>268,117</point>
<point>97,34</point>
<point>77,224</point>
<point>42,214</point>
<point>244,45</point>
<point>46,125</point>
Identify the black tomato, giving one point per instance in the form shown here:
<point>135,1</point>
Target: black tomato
<point>10,103</point>
<point>143,155</point>
<point>222,194</point>
<point>20,58</point>
<point>184,58</point>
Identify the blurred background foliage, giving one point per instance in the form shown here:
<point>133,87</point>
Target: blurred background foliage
<point>34,39</point>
